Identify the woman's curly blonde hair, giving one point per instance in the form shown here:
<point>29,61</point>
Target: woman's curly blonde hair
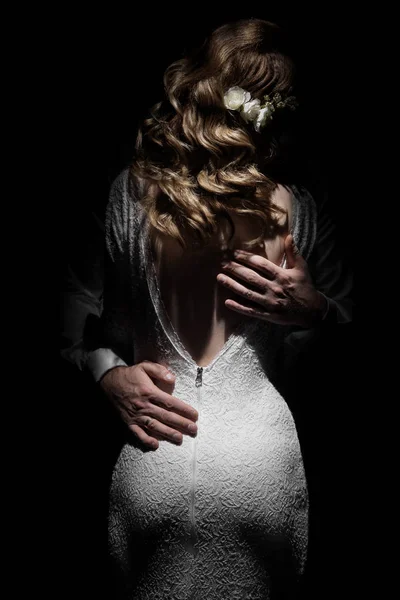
<point>202,161</point>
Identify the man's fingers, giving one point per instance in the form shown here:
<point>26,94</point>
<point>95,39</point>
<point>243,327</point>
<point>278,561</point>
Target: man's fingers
<point>253,312</point>
<point>154,427</point>
<point>247,310</point>
<point>265,266</point>
<point>240,289</point>
<point>245,274</point>
<point>171,419</point>
<point>157,371</point>
<point>147,440</point>
<point>293,256</point>
<point>170,403</point>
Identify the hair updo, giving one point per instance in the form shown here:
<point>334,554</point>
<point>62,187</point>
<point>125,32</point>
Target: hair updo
<point>201,160</point>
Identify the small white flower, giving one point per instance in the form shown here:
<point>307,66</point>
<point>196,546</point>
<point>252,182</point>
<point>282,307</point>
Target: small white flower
<point>235,97</point>
<point>263,116</point>
<point>250,110</point>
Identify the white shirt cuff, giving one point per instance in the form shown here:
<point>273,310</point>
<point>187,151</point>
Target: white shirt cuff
<point>101,360</point>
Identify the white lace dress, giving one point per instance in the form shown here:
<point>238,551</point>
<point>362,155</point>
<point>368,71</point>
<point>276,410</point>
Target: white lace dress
<point>224,515</point>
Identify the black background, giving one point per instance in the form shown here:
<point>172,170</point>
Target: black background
<point>112,67</point>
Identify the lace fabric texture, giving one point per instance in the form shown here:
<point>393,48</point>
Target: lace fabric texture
<point>224,515</point>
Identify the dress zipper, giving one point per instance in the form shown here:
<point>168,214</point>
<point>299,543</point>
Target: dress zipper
<point>199,377</point>
<point>193,532</point>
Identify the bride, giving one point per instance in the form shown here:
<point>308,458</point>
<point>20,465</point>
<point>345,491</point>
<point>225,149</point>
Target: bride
<point>213,264</point>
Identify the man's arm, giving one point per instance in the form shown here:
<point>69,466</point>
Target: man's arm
<point>91,261</point>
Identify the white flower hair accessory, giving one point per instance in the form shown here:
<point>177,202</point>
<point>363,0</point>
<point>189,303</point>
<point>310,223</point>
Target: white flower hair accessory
<point>252,111</point>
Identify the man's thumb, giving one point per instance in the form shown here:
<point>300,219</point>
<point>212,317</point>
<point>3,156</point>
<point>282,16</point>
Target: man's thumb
<point>292,253</point>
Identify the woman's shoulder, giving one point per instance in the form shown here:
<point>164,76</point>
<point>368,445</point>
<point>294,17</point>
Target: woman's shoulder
<point>122,215</point>
<point>283,198</point>
<point>296,202</point>
<point>126,187</point>
<point>304,218</point>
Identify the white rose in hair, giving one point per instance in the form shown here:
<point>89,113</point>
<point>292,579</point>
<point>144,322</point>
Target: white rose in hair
<point>263,116</point>
<point>235,97</point>
<point>250,110</point>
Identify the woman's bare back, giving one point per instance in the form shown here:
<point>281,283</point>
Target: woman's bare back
<point>193,299</point>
